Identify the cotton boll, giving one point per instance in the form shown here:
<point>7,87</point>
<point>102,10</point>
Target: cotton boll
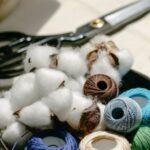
<point>125,61</point>
<point>99,39</point>
<point>6,94</point>
<point>36,115</point>
<point>14,132</point>
<point>24,91</point>
<point>86,49</point>
<point>91,118</point>
<point>103,66</point>
<point>38,57</point>
<point>90,46</point>
<point>74,85</point>
<point>60,101</point>
<point>79,104</point>
<point>81,80</point>
<point>6,113</point>
<point>71,62</point>
<point>49,80</point>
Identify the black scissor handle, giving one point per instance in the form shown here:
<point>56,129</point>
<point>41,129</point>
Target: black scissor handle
<point>12,35</point>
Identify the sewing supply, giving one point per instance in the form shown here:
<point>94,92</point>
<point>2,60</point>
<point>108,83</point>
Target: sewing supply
<point>141,140</point>
<point>52,140</point>
<point>122,115</point>
<point>102,87</point>
<point>142,97</point>
<point>101,140</point>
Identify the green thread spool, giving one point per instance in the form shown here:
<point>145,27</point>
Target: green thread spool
<point>141,140</point>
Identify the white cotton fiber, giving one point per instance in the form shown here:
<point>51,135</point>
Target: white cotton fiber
<point>6,94</point>
<point>14,132</point>
<point>38,57</point>
<point>99,39</point>
<point>90,46</point>
<point>24,91</point>
<point>74,85</point>
<point>49,80</point>
<point>6,113</point>
<point>37,115</point>
<point>71,62</point>
<point>79,104</point>
<point>86,49</point>
<point>103,66</point>
<point>81,80</point>
<point>101,125</point>
<point>125,61</point>
<point>60,101</point>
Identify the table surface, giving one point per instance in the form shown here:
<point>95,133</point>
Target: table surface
<point>58,16</point>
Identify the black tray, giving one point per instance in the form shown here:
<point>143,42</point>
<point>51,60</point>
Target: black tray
<point>132,79</point>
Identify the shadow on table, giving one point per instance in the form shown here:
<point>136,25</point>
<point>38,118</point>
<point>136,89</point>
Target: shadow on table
<point>30,16</point>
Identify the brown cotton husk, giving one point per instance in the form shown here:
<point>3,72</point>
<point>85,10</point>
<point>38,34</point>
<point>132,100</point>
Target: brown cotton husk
<point>54,61</point>
<point>109,47</point>
<point>113,60</point>
<point>101,87</point>
<point>90,119</point>
<point>91,58</point>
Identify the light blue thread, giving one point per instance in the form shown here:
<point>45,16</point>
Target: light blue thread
<point>122,115</point>
<point>141,92</point>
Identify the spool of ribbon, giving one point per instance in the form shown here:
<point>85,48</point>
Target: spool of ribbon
<point>122,115</point>
<point>142,97</point>
<point>52,140</point>
<point>104,141</point>
<point>102,87</point>
<point>141,140</point>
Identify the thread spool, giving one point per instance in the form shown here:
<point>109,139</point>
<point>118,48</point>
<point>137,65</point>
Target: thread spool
<point>141,140</point>
<point>102,87</point>
<point>52,140</point>
<point>104,141</point>
<point>142,97</point>
<point>122,115</point>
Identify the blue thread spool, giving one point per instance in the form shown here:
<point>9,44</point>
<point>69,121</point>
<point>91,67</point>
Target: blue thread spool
<point>142,97</point>
<point>122,115</point>
<point>37,141</point>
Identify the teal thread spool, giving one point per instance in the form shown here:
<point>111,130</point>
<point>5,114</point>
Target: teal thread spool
<point>142,97</point>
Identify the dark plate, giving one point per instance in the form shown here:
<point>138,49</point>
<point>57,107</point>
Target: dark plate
<point>132,79</point>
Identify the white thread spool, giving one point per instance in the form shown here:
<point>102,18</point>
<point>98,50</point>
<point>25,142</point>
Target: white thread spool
<point>104,141</point>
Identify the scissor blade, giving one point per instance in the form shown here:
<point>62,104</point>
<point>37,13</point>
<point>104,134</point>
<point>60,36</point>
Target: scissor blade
<point>116,19</point>
<point>128,13</point>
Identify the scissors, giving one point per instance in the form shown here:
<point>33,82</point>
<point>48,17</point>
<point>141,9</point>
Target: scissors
<point>11,54</point>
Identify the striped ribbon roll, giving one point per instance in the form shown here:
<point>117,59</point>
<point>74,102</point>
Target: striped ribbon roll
<point>52,140</point>
<point>104,141</point>
<point>142,97</point>
<point>122,115</point>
